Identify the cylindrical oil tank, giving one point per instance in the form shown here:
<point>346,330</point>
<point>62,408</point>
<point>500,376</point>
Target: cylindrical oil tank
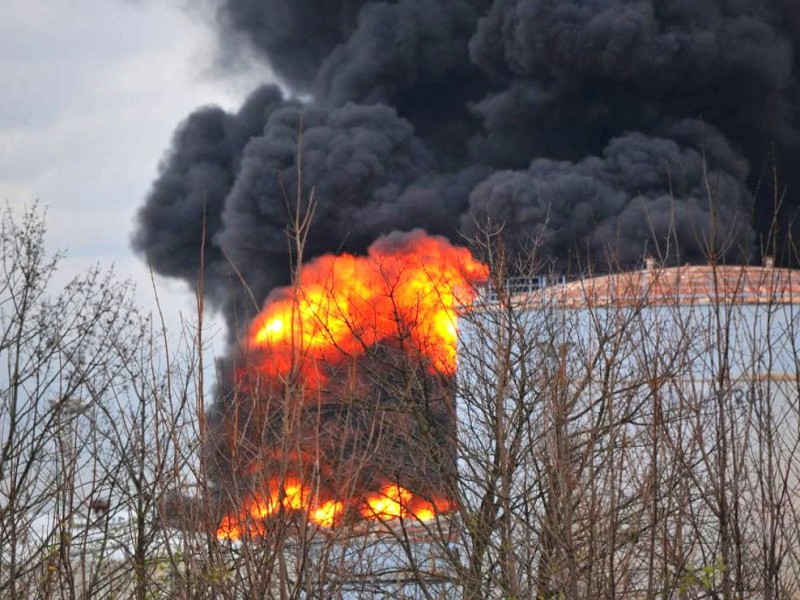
<point>647,417</point>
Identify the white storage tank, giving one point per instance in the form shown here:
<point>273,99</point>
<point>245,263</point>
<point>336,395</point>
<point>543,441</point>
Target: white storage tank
<point>636,433</point>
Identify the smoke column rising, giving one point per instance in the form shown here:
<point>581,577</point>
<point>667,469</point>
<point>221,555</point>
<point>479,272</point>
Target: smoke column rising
<point>602,125</point>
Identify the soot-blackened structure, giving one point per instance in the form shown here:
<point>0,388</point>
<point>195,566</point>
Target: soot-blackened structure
<point>376,420</point>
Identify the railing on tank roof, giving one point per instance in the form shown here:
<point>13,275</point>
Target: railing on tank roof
<point>516,288</point>
<point>698,284</point>
<point>688,284</point>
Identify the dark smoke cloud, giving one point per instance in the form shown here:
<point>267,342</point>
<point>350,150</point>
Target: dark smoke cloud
<point>724,61</point>
<point>195,180</point>
<point>603,125</point>
<point>359,158</point>
<point>642,192</point>
<point>656,46</point>
<point>295,36</point>
<point>396,47</point>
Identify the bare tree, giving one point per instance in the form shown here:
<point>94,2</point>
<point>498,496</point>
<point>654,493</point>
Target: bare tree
<point>630,435</point>
<point>64,354</point>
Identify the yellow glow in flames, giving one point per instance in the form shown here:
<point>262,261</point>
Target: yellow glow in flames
<point>343,304</point>
<point>328,514</point>
<point>392,502</point>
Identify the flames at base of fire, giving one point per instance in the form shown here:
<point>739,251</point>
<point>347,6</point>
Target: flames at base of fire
<point>393,501</point>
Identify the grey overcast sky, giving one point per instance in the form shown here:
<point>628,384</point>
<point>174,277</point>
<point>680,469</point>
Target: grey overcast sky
<point>92,91</point>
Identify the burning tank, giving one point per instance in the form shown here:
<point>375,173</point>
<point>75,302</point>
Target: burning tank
<point>341,404</point>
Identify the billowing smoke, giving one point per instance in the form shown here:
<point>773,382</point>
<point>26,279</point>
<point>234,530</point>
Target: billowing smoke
<point>606,126</point>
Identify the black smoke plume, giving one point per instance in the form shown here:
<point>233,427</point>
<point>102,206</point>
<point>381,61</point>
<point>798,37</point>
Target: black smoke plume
<point>606,126</point>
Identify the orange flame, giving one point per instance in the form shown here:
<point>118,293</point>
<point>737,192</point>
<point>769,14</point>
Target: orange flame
<point>392,502</point>
<point>292,497</point>
<point>405,291</point>
<point>343,304</point>
<point>396,502</point>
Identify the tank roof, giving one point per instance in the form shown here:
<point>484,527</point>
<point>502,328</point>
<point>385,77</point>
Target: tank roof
<point>685,285</point>
<point>688,284</point>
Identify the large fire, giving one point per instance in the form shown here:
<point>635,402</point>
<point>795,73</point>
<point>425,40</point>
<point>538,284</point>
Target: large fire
<point>343,304</point>
<point>404,293</point>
